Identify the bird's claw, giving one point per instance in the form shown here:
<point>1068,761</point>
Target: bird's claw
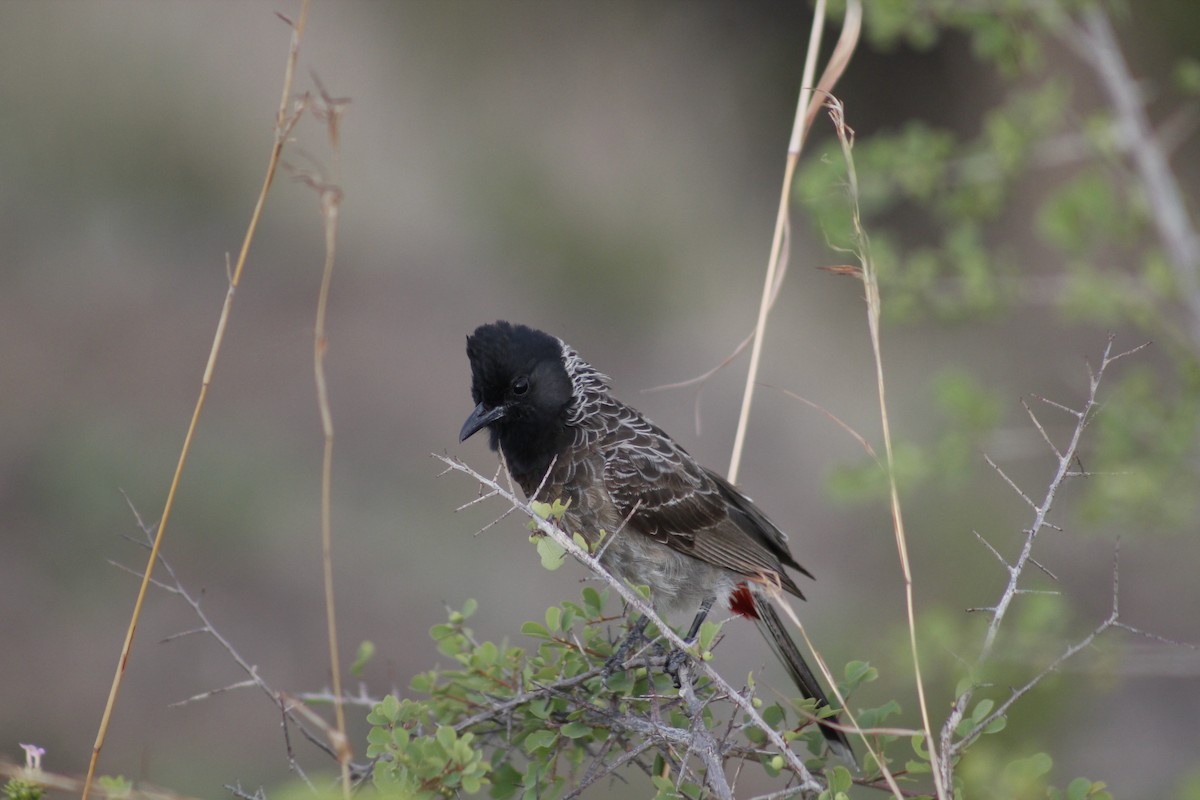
<point>675,660</point>
<point>616,662</point>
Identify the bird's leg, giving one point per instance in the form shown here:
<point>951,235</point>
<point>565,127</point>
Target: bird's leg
<point>676,658</point>
<point>637,633</point>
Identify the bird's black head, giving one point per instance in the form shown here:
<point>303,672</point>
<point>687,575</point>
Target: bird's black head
<point>522,394</point>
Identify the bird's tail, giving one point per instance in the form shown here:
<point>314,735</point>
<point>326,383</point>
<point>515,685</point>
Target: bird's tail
<point>773,630</point>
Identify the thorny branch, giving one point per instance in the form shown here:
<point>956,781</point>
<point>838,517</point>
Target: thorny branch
<point>1065,458</point>
<point>806,780</point>
<point>702,741</point>
<point>654,733</point>
<point>286,708</point>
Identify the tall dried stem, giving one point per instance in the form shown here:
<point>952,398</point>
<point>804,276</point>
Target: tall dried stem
<point>284,121</point>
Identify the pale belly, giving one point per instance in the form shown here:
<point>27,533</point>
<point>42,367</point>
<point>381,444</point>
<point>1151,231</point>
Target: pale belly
<point>678,582</point>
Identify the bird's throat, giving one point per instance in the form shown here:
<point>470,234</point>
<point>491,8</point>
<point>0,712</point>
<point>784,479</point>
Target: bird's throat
<point>530,451</point>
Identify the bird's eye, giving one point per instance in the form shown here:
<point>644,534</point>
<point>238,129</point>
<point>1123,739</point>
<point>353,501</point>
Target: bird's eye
<point>520,386</point>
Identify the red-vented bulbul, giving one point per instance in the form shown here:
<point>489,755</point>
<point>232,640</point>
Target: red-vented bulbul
<point>682,530</point>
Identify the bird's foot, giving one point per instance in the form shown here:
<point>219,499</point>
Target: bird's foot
<point>675,660</point>
<point>634,639</point>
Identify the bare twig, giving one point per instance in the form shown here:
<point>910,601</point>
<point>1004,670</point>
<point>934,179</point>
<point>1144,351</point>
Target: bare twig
<point>177,588</point>
<point>237,791</point>
<point>591,776</point>
<point>283,125</point>
<point>993,550</point>
<point>858,437</point>
<point>329,111</point>
<point>1037,424</point>
<point>362,699</point>
<point>212,692</point>
<point>702,741</point>
<point>521,698</point>
<point>1009,481</point>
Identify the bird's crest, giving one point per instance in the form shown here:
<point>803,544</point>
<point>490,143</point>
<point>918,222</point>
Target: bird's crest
<point>501,351</point>
<point>588,385</point>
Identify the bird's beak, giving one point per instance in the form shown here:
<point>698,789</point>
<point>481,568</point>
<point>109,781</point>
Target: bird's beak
<point>481,417</point>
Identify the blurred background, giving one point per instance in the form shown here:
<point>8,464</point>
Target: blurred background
<point>609,173</point>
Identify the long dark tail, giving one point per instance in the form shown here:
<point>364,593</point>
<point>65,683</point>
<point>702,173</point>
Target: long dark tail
<point>773,630</point>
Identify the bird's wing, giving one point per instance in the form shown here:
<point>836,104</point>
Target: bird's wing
<point>663,493</point>
<point>655,483</point>
<point>754,522</point>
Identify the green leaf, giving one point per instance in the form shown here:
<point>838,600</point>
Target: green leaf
<point>386,711</point>
<point>917,767</point>
<point>773,715</point>
<point>551,552</point>
<point>1025,769</point>
<point>365,651</point>
<point>575,730</point>
<point>874,717</point>
<point>621,683</point>
<point>379,736</point>
<point>535,629</point>
<point>540,707</point>
<point>982,709</point>
<point>540,739</point>
<point>839,779</point>
<point>592,601</point>
<point>114,786</point>
<point>665,787</point>
<point>858,673</point>
<point>918,746</point>
<point>548,511</point>
<point>486,654</point>
<point>505,781</point>
<point>1079,789</point>
<point>423,682</point>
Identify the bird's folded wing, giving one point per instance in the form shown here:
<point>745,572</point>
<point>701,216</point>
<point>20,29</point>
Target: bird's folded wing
<point>666,495</point>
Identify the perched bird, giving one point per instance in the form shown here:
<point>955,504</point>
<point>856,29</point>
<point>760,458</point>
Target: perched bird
<point>680,528</point>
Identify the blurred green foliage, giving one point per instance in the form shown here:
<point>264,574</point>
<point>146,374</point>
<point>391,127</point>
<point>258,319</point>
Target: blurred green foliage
<point>16,789</point>
<point>1032,206</point>
<point>941,208</point>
